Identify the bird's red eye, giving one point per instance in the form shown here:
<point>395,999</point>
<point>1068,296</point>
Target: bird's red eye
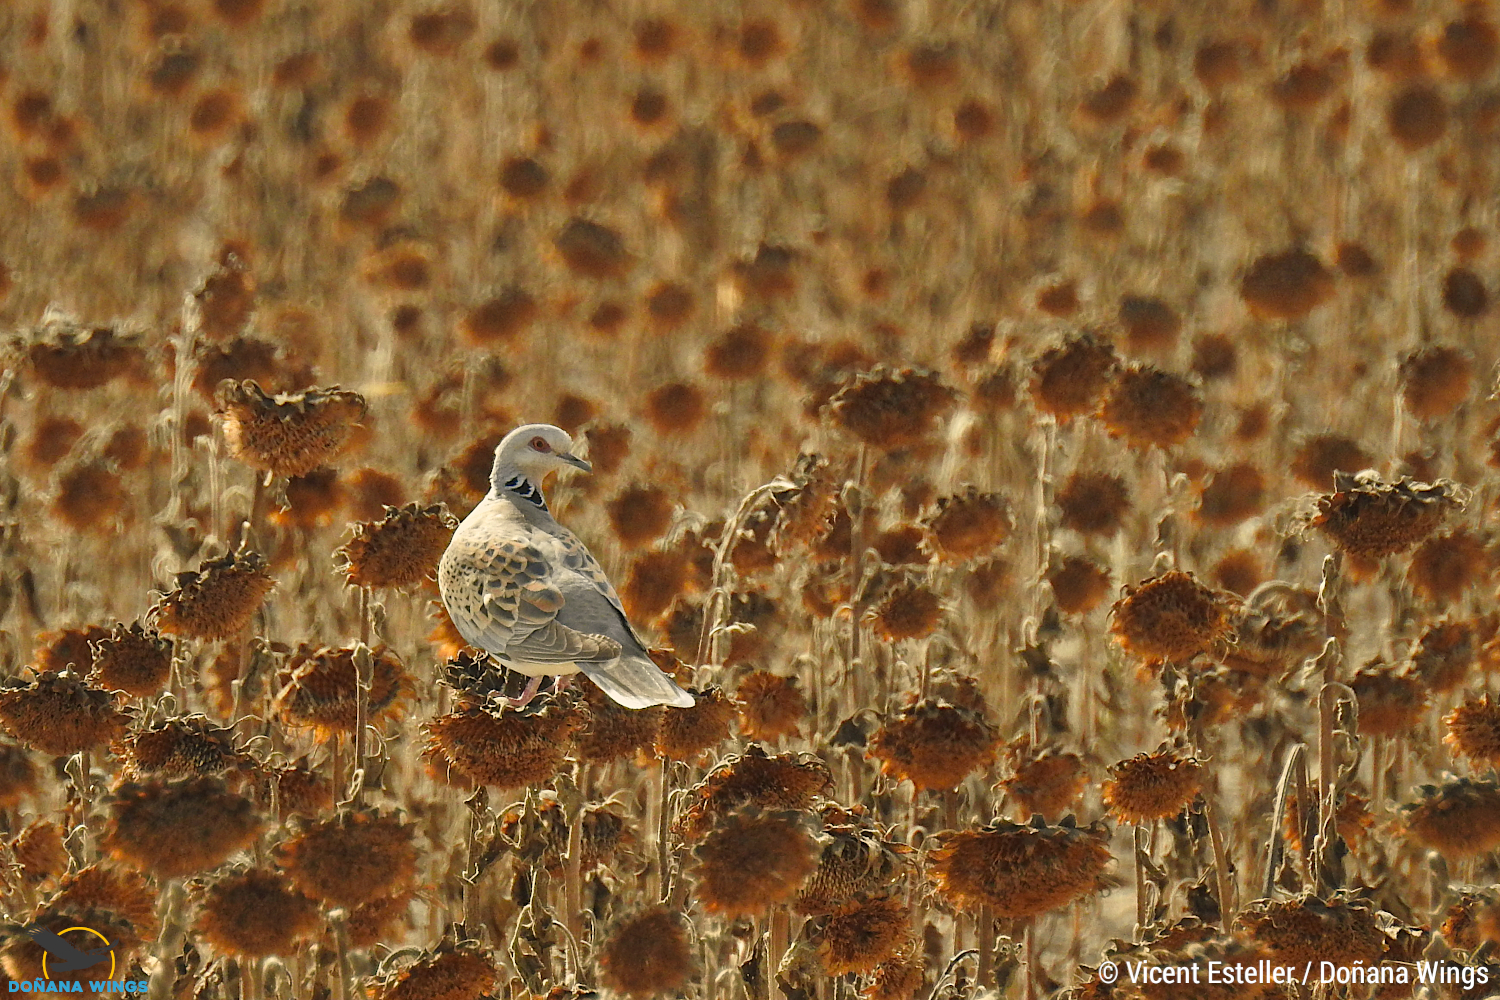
<point>540,444</point>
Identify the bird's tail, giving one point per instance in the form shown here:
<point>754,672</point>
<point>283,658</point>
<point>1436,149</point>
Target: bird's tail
<point>635,682</point>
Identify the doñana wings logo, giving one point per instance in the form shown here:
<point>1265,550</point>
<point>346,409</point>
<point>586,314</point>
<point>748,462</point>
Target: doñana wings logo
<point>63,956</point>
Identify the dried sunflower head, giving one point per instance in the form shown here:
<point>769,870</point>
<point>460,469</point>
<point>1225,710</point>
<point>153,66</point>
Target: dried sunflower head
<point>1020,871</point>
<point>66,355</point>
<point>1474,731</point>
<point>787,781</point>
<point>1171,617</point>
<point>116,902</point>
<point>855,862</point>
<point>751,860</point>
<point>286,435</point>
<point>1044,781</point>
<point>319,687</point>
<point>455,970</point>
<point>1391,699</point>
<point>175,828</point>
<point>770,705</point>
<point>1458,819</point>
<point>908,610</point>
<point>858,937</point>
<point>255,912</point>
<point>179,748</point>
<point>1150,407</point>
<point>968,524</point>
<point>934,744</point>
<point>1368,518</point>
<point>58,714</point>
<point>218,600</point>
<point>1093,503</point>
<point>504,749</point>
<point>688,733</point>
<point>611,731</point>
<point>135,659</point>
<point>892,410</point>
<point>1152,786</point>
<point>351,858</point>
<point>647,953</point>
<point>400,550</point>
<point>1307,928</point>
<point>1068,379</point>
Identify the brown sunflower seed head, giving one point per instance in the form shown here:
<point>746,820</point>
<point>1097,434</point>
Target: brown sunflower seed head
<point>65,355</point>
<point>286,435</point>
<point>1370,519</point>
<point>1458,819</point>
<point>1067,380</point>
<point>1474,731</point>
<point>1020,871</point>
<point>91,496</point>
<point>1445,654</point>
<point>1322,455</point>
<point>319,687</point>
<point>254,913</point>
<point>503,748</point>
<point>116,902</point>
<point>1079,584</point>
<point>134,658</point>
<point>1172,617</point>
<point>299,789</point>
<point>218,600</point>
<point>908,610</point>
<point>1392,699</point>
<point>185,747</point>
<point>1307,928</point>
<point>1286,285</point>
<point>858,937</point>
<point>611,731</point>
<point>69,647</point>
<point>640,514</point>
<point>1045,781</point>
<point>897,978</point>
<point>39,850</point>
<point>770,705</point>
<point>968,524</point>
<point>686,734</point>
<point>1150,407</point>
<point>380,919</point>
<point>751,860</point>
<point>802,510</point>
<point>892,410</point>
<point>175,828</point>
<point>787,781</point>
<point>18,775</point>
<point>1445,566</point>
<point>455,970</point>
<point>400,550</point>
<point>352,858</point>
<point>1152,786</point>
<point>58,714</point>
<point>1436,380</point>
<point>934,744</point>
<point>648,953</point>
<point>854,863</point>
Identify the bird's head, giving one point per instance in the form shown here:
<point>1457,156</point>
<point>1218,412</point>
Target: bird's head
<point>533,450</point>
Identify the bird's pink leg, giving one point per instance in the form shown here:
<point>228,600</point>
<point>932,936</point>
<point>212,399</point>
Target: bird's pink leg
<point>560,683</point>
<point>532,687</point>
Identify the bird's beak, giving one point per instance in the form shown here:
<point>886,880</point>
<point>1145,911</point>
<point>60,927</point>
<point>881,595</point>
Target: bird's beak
<point>576,462</point>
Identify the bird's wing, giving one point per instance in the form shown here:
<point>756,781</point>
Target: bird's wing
<point>517,613</point>
<point>580,560</point>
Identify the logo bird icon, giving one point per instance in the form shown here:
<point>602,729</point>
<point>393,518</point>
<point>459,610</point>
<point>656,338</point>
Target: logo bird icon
<point>65,957</point>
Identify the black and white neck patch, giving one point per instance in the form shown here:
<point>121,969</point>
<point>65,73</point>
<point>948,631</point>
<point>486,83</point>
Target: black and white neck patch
<point>526,490</point>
